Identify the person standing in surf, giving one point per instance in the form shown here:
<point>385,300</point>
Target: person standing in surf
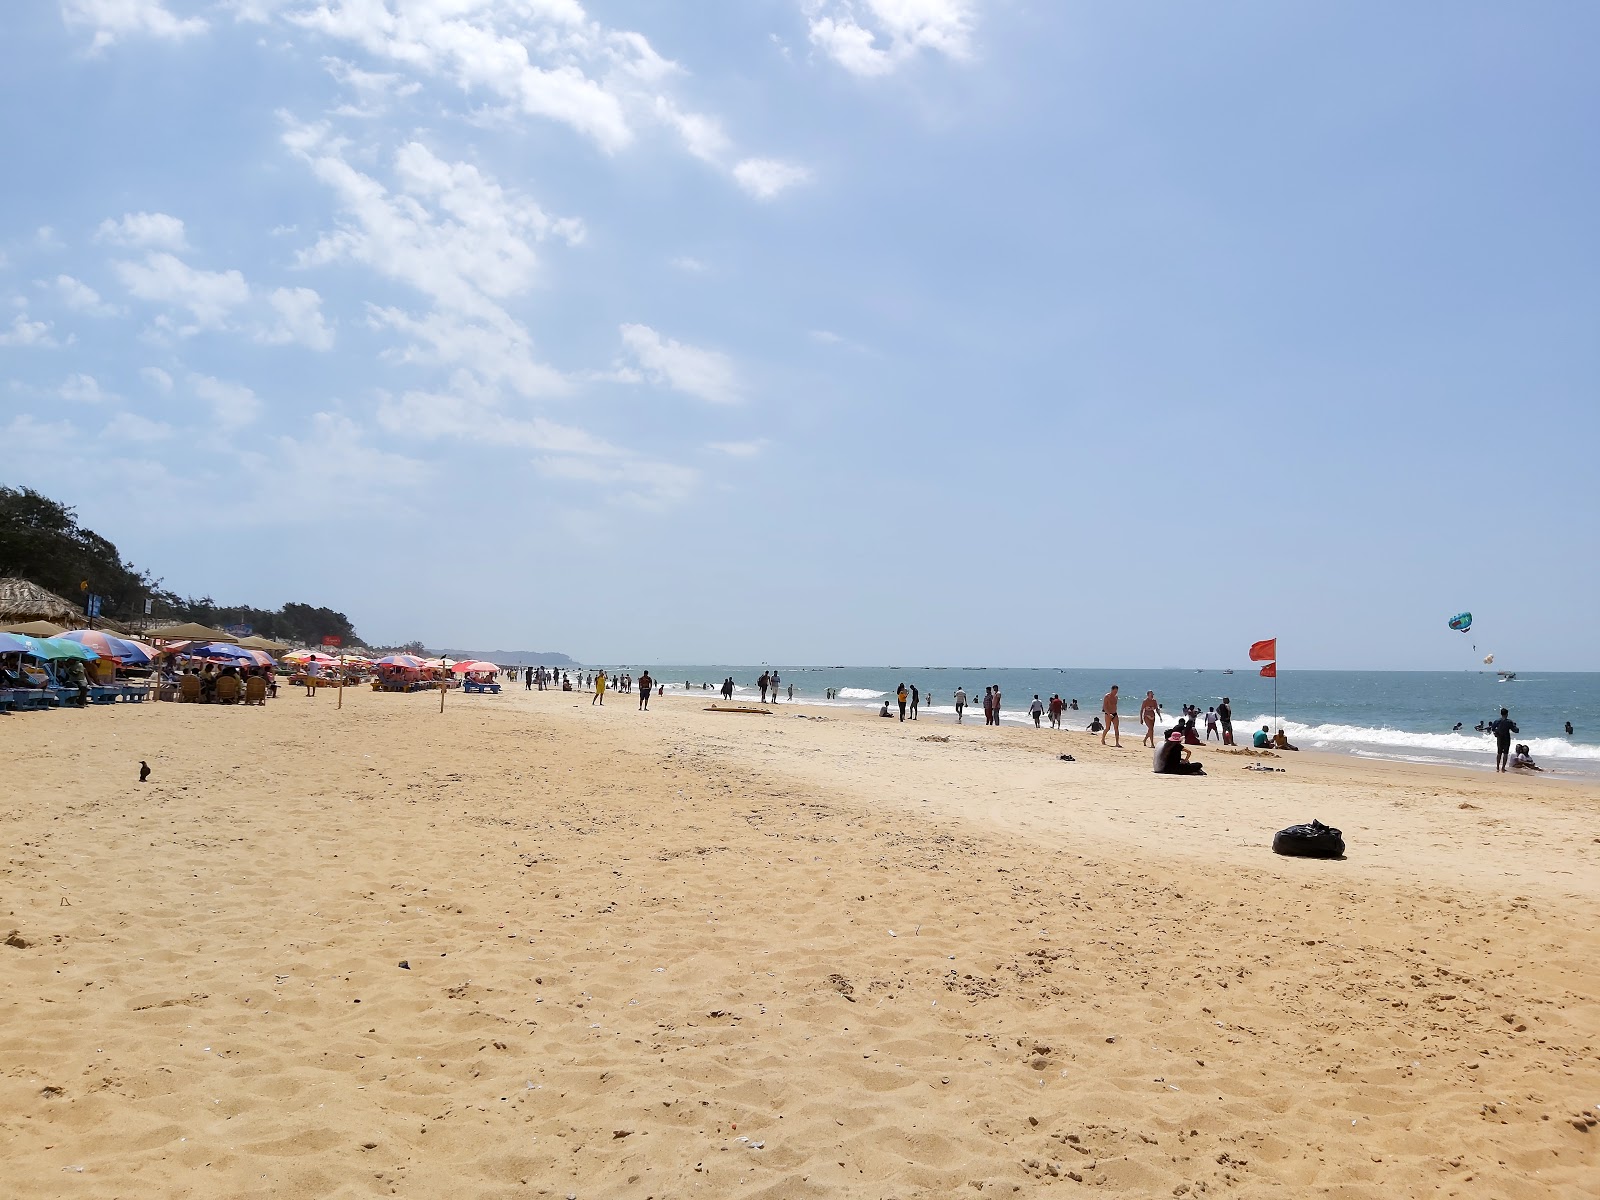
<point>902,696</point>
<point>1108,709</point>
<point>1502,730</point>
<point>961,704</point>
<point>1225,718</point>
<point>916,701</point>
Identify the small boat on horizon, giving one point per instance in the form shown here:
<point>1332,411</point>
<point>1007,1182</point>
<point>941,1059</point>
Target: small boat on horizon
<point>1228,671</point>
<point>1506,676</point>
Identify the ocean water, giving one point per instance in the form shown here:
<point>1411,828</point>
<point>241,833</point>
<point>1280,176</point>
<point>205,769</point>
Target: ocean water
<point>1405,715</point>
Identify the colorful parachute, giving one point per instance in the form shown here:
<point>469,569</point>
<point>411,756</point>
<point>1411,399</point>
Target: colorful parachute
<point>1487,659</point>
<point>1461,622</point>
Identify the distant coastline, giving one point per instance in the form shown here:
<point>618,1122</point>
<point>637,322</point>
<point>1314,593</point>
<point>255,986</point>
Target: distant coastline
<point>511,658</point>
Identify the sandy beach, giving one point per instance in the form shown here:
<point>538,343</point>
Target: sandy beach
<point>531,947</point>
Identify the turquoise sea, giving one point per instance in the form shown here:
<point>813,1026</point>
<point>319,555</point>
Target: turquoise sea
<point>1405,715</point>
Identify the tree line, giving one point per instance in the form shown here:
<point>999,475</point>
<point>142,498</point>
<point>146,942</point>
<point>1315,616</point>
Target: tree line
<point>41,541</point>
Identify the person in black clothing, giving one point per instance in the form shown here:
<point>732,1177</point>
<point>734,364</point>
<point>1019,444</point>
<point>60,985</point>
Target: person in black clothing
<point>1225,716</point>
<point>916,699</point>
<point>1502,730</point>
<point>1569,728</point>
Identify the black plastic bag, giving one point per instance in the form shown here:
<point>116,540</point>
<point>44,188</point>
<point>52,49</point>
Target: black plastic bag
<point>1315,840</point>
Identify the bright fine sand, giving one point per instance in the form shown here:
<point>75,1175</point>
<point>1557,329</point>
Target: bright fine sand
<point>691,954</point>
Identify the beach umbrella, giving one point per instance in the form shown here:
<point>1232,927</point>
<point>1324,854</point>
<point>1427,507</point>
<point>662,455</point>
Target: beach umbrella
<point>315,656</point>
<point>108,646</point>
<point>58,648</point>
<point>410,661</point>
<point>466,668</point>
<point>12,643</point>
<point>221,650</point>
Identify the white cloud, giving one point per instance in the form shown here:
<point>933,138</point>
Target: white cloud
<point>143,231</point>
<point>157,378</point>
<point>24,332</point>
<point>638,480</point>
<point>740,449</point>
<point>233,404</point>
<point>80,297</point>
<point>299,320</point>
<point>702,135</point>
<point>450,231</point>
<point>686,263</point>
<point>165,279</point>
<point>469,412</point>
<point>111,19</point>
<point>83,389</point>
<point>689,369</point>
<point>492,48</point>
<point>26,434</point>
<point>456,236</point>
<point>764,178</point>
<point>874,37</point>
<point>130,427</point>
<point>374,90</point>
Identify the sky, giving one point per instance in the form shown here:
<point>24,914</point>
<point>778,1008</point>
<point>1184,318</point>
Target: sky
<point>822,331</point>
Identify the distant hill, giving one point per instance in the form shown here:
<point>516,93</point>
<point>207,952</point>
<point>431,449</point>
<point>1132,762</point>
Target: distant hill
<point>510,658</point>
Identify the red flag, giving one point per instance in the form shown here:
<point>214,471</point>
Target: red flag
<point>1270,671</point>
<point>1263,651</point>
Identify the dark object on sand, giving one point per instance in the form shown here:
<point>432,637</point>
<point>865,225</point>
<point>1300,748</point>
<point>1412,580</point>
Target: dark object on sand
<point>144,771</point>
<point>1068,758</point>
<point>1315,840</point>
<point>405,964</point>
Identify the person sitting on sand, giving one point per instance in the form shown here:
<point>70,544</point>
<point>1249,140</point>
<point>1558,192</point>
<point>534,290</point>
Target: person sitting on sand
<point>1262,739</point>
<point>1095,726</point>
<point>1280,742</point>
<point>1522,761</point>
<point>1171,758</point>
<point>884,711</point>
<point>1190,736</point>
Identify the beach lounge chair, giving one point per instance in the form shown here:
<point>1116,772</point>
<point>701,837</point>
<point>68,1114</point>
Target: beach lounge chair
<point>135,693</point>
<point>228,689</point>
<point>255,690</point>
<point>190,689</point>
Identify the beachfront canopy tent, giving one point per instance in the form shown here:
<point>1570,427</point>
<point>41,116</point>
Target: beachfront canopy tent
<point>39,629</point>
<point>261,643</point>
<point>22,600</point>
<point>190,632</point>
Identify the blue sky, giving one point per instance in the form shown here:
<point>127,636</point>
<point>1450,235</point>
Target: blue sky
<point>822,331</point>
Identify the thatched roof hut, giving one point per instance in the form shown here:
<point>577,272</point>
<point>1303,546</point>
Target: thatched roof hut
<point>22,600</point>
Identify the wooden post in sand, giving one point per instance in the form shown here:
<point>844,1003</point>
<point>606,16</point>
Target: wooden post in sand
<point>444,684</point>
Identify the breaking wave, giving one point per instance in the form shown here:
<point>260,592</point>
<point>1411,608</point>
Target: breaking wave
<point>1320,737</point>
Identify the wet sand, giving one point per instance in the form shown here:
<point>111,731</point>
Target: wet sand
<point>693,954</point>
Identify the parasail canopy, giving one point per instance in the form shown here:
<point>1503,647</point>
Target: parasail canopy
<point>1461,622</point>
<point>1487,659</point>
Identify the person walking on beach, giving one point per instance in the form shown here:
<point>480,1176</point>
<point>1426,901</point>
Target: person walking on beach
<point>901,695</point>
<point>1211,724</point>
<point>1055,711</point>
<point>916,699</point>
<point>1502,730</point>
<point>772,682</point>
<point>646,686</point>
<point>961,704</point>
<point>1108,709</point>
<point>599,690</point>
<point>762,684</point>
<point>1036,710</point>
<point>1225,717</point>
<point>1149,710</point>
